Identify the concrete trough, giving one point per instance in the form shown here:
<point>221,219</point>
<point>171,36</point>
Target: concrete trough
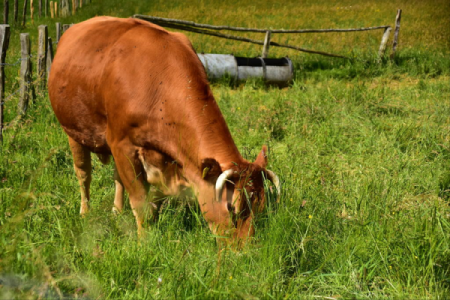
<point>273,70</point>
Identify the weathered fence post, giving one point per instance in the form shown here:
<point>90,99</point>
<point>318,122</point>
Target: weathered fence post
<point>383,43</point>
<point>49,56</point>
<point>5,11</point>
<point>24,13</point>
<point>74,6</point>
<point>52,10</point>
<point>397,30</point>
<point>65,11</point>
<point>16,10</point>
<point>266,46</point>
<point>58,32</point>
<point>40,8</point>
<point>42,57</point>
<point>56,9</point>
<point>25,73</point>
<point>32,11</point>
<point>4,43</point>
<point>65,27</point>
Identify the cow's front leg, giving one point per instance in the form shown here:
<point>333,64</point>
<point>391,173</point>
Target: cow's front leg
<point>129,169</point>
<point>118,197</point>
<point>83,169</point>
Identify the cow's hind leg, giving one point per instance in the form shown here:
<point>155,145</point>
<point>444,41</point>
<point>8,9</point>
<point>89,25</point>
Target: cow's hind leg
<point>83,168</point>
<point>131,173</point>
<point>118,197</point>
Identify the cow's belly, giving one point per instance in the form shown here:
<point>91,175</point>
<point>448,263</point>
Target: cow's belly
<point>82,121</point>
<point>95,142</point>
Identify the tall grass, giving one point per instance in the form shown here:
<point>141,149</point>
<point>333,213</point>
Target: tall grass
<point>363,150</point>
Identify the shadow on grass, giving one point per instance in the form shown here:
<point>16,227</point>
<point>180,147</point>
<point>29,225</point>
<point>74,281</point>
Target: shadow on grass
<point>22,287</point>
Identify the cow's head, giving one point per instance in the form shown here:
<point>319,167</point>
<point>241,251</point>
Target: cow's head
<point>241,190</point>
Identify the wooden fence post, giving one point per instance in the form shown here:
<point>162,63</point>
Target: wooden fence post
<point>49,56</point>
<point>383,43</point>
<point>25,74</point>
<point>266,46</point>
<point>58,32</point>
<point>5,11</point>
<point>40,8</point>
<point>65,11</point>
<point>42,57</point>
<point>397,30</point>
<point>56,9</point>
<point>74,7</point>
<point>16,10</point>
<point>65,27</point>
<point>52,10</point>
<point>24,13</point>
<point>32,11</point>
<point>4,43</point>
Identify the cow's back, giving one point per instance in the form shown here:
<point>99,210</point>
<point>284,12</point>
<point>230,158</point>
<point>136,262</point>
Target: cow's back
<point>107,69</point>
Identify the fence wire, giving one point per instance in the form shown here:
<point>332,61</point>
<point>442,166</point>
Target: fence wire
<point>12,94</point>
<point>19,60</point>
<point>16,63</point>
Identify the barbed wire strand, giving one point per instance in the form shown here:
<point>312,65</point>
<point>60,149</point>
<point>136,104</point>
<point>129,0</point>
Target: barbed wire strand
<point>16,63</point>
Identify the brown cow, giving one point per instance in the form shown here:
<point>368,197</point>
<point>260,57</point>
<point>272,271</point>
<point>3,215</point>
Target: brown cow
<point>130,89</point>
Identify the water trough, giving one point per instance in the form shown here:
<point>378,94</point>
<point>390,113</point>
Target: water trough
<point>273,70</point>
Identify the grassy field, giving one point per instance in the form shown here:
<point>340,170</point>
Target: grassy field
<point>362,149</point>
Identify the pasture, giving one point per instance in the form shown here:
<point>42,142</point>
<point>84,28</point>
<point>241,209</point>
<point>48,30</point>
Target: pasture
<point>362,149</point>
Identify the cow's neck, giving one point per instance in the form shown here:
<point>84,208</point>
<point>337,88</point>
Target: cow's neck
<point>200,130</point>
<point>204,134</point>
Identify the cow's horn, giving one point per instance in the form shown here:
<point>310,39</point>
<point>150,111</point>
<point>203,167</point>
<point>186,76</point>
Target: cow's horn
<point>221,182</point>
<point>276,181</point>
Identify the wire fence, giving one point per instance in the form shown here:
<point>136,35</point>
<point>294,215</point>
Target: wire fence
<point>11,95</point>
<point>46,44</point>
<point>208,29</point>
<point>27,87</point>
<point>19,60</point>
<point>14,64</point>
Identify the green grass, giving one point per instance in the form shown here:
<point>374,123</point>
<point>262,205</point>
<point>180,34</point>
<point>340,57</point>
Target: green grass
<point>362,149</point>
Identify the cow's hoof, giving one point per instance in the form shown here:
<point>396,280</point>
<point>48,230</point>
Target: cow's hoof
<point>116,211</point>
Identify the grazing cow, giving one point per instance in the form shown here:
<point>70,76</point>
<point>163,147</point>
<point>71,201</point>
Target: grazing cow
<point>130,89</point>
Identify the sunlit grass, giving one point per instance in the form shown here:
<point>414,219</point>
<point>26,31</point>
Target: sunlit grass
<point>363,150</point>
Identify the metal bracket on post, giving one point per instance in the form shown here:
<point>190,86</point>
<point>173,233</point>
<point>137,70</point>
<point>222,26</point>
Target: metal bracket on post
<point>266,46</point>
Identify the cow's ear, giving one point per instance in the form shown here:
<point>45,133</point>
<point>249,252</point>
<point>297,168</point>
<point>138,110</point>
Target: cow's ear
<point>261,160</point>
<point>210,169</point>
